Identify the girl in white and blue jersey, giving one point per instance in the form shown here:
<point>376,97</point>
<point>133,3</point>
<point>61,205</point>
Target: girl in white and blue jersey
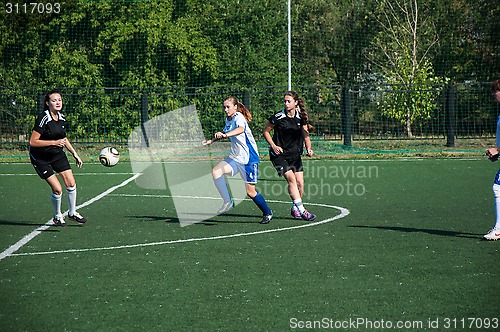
<point>493,153</point>
<point>243,157</point>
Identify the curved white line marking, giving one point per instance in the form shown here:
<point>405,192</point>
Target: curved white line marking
<point>27,238</point>
<point>343,213</point>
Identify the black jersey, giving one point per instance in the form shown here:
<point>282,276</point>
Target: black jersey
<point>288,133</point>
<point>49,129</point>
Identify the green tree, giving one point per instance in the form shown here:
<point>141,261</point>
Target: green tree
<point>107,43</point>
<point>250,37</point>
<point>468,40</point>
<point>328,41</point>
<point>400,52</point>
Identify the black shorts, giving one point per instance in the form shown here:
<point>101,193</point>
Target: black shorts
<point>283,164</point>
<point>46,164</point>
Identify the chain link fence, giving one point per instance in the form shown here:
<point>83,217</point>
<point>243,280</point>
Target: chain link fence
<point>348,114</point>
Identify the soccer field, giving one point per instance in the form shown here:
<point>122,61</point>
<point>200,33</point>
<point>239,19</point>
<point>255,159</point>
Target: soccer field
<point>396,244</point>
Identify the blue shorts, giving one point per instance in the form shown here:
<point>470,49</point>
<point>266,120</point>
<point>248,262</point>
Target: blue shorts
<point>248,173</point>
<point>497,178</point>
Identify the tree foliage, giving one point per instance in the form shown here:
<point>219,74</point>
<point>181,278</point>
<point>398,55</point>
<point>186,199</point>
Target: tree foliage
<point>197,43</point>
<point>329,39</point>
<point>400,50</point>
<point>165,46</point>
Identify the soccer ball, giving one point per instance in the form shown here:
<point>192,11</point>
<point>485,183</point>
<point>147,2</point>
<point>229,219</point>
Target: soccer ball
<point>109,156</point>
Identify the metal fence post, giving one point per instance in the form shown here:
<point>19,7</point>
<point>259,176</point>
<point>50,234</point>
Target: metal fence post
<point>450,116</point>
<point>41,101</point>
<point>246,98</point>
<point>345,110</point>
<point>144,116</point>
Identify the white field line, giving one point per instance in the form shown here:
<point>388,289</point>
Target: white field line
<point>343,212</point>
<point>27,238</point>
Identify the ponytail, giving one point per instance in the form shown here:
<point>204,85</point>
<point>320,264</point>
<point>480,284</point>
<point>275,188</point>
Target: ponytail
<point>243,110</point>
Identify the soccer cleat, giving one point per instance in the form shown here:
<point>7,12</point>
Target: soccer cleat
<point>493,234</point>
<point>266,218</point>
<point>78,218</point>
<point>306,215</point>
<point>295,213</point>
<point>226,207</point>
<point>59,221</point>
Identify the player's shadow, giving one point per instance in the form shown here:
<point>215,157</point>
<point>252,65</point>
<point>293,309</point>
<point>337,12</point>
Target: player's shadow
<point>221,220</point>
<point>21,223</point>
<point>424,230</point>
<point>210,221</point>
<point>173,220</point>
<point>18,223</point>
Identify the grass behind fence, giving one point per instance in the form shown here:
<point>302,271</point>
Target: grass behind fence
<point>324,149</point>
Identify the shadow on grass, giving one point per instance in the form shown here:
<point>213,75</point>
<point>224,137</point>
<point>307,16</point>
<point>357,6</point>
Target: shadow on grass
<point>20,223</point>
<point>155,218</point>
<point>423,230</point>
<point>207,222</point>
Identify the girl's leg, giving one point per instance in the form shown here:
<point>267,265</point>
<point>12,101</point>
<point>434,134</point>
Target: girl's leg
<point>258,199</point>
<point>294,192</point>
<point>220,183</point>
<point>56,194</point>
<point>293,189</point>
<point>299,178</point>
<point>296,180</point>
<point>494,233</point>
<point>496,192</point>
<point>70,183</point>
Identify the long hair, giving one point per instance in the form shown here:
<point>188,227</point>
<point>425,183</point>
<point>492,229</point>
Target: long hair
<point>302,108</point>
<point>47,98</point>
<point>240,108</point>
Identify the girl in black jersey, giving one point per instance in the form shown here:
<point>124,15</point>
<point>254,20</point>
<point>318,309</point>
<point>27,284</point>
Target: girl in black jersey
<point>291,132</point>
<point>47,156</point>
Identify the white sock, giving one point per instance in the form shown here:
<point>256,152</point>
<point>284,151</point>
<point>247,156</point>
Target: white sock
<point>71,200</point>
<point>56,203</point>
<point>298,204</point>
<point>220,184</point>
<point>496,192</point>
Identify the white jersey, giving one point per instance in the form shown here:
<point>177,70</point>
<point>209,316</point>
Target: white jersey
<point>243,147</point>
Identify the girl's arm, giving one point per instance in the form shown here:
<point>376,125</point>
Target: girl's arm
<point>235,132</point>
<point>36,142</point>
<point>307,141</point>
<point>72,150</point>
<point>267,135</point>
<point>220,135</point>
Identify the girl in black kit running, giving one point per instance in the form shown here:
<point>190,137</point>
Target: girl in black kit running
<point>291,132</point>
<point>47,156</point>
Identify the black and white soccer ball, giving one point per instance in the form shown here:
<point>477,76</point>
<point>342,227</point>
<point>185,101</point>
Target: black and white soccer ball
<point>109,156</point>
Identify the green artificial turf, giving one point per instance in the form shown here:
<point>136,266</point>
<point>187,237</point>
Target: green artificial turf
<point>410,250</point>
